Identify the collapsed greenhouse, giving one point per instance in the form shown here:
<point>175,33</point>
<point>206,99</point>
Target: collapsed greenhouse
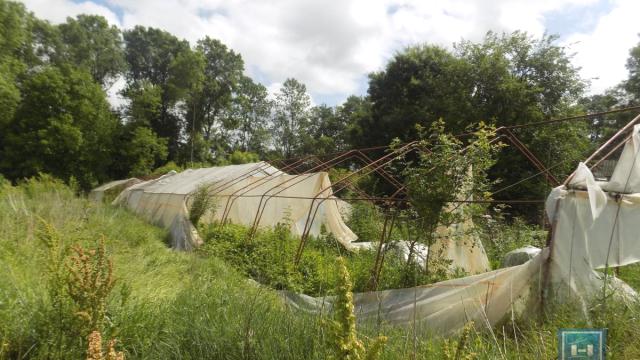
<point>261,195</point>
<point>592,228</point>
<point>241,191</point>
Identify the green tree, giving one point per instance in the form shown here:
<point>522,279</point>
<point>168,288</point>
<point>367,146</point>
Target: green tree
<point>143,151</point>
<point>450,170</point>
<point>15,29</point>
<point>158,58</point>
<point>418,86</point>
<point>25,38</point>
<point>518,79</point>
<point>211,104</point>
<point>252,110</point>
<point>625,94</point>
<point>291,118</point>
<point>632,84</point>
<point>196,151</point>
<point>355,112</point>
<point>603,126</point>
<point>90,43</point>
<point>327,131</point>
<point>146,103</point>
<point>45,44</point>
<point>15,39</point>
<point>183,104</point>
<point>506,79</point>
<point>9,92</point>
<point>63,126</point>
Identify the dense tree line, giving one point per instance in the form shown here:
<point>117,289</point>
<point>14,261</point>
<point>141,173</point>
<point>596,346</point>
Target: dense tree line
<point>183,104</point>
<point>193,103</point>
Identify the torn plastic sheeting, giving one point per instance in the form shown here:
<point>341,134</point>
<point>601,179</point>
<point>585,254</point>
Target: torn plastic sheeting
<point>626,174</point>
<point>596,228</point>
<point>443,307</point>
<point>592,231</point>
<point>582,244</point>
<point>582,178</point>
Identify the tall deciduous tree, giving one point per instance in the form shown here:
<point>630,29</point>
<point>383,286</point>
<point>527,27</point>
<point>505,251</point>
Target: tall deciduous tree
<point>9,92</point>
<point>142,151</point>
<point>604,125</point>
<point>518,79</point>
<point>158,58</point>
<point>212,103</point>
<point>145,103</point>
<point>632,84</point>
<point>418,86</point>
<point>63,126</point>
<point>252,112</point>
<point>327,131</point>
<point>506,79</point>
<point>625,94</point>
<point>90,42</point>
<point>19,32</point>
<point>291,118</point>
<point>355,112</point>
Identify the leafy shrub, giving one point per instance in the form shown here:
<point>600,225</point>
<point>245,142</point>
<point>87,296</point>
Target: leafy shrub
<point>170,166</point>
<point>499,235</point>
<point>112,193</point>
<point>236,158</point>
<point>243,157</point>
<point>365,221</point>
<point>267,257</point>
<point>4,181</point>
<point>202,203</point>
<point>35,186</point>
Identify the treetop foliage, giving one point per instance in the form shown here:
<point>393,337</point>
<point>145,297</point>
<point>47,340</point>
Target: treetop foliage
<point>194,104</point>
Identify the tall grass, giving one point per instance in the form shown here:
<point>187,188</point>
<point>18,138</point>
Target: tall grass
<point>500,234</point>
<point>267,257</point>
<point>174,305</point>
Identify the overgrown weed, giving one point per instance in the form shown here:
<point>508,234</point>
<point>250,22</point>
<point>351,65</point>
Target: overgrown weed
<point>169,304</point>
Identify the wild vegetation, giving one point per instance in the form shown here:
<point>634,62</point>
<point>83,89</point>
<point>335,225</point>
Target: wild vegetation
<point>193,105</point>
<point>168,304</point>
<point>267,255</point>
<point>87,280</point>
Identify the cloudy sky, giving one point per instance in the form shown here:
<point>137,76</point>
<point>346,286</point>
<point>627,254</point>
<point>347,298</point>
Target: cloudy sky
<point>331,45</point>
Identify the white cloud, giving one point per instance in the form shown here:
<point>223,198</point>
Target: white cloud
<point>57,11</point>
<point>602,53</point>
<point>331,45</point>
